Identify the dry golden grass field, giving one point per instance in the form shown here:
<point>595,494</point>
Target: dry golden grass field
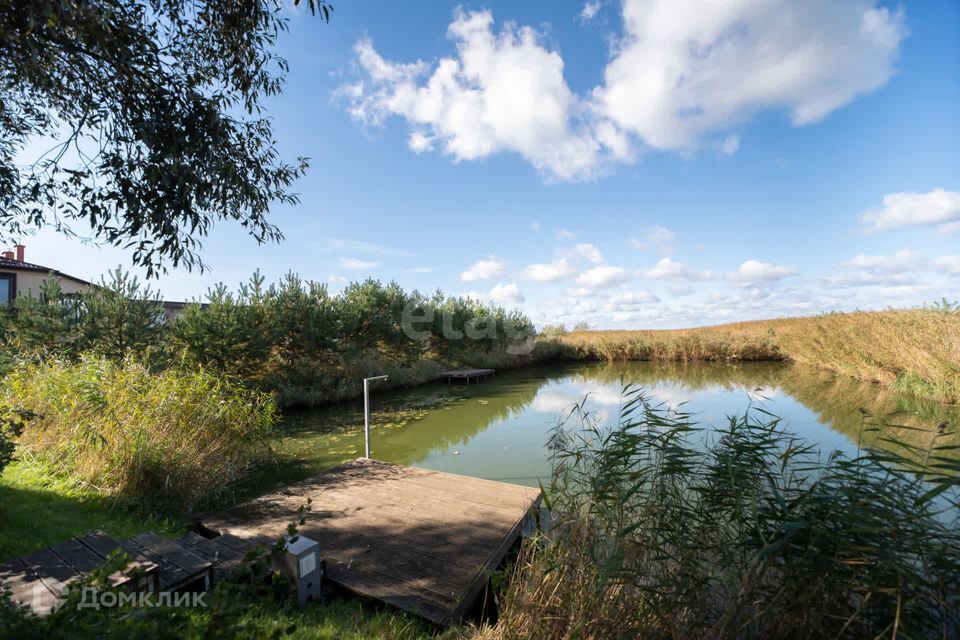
<point>916,350</point>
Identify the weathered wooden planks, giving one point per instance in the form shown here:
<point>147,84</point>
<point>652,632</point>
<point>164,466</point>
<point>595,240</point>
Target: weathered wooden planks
<point>468,374</point>
<point>38,579</point>
<point>420,540</point>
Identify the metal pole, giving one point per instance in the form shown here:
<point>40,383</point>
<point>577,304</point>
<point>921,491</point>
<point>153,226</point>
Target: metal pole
<point>366,413</point>
<point>366,417</point>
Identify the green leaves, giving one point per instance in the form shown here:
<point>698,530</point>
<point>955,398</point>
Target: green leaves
<point>155,111</point>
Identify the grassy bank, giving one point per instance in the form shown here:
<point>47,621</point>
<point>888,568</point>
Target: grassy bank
<point>915,350</point>
<point>39,508</point>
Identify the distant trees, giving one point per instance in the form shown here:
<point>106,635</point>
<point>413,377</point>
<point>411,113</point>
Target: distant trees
<point>120,315</point>
<point>292,336</point>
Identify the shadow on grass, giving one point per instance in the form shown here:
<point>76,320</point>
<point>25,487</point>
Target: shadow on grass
<point>38,510</point>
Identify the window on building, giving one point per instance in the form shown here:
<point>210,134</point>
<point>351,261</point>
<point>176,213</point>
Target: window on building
<point>8,287</point>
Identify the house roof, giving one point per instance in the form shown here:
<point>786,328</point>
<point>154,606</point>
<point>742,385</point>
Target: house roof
<point>17,265</point>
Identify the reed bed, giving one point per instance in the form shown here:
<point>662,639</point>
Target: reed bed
<point>661,530</point>
<point>159,440</point>
<point>916,350</point>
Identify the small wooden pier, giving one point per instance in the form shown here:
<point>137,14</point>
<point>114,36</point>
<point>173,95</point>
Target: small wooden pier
<point>422,541</point>
<point>37,580</point>
<point>468,374</point>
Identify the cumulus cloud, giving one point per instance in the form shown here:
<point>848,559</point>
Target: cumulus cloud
<point>730,145</point>
<point>600,277</point>
<point>629,301</point>
<point>484,270</point>
<point>564,234</point>
<point>585,251</point>
<point>549,271</point>
<point>938,208</point>
<point>500,294</point>
<point>681,71</point>
<point>655,237</point>
<point>868,279</point>
<point>669,268</point>
<point>589,11</point>
<point>947,264</point>
<point>506,294</point>
<point>355,264</point>
<point>501,92</point>
<point>902,260</point>
<point>753,272</point>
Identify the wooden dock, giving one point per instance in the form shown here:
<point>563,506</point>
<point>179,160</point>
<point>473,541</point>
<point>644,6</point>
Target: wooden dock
<point>423,541</point>
<point>468,375</point>
<point>39,579</point>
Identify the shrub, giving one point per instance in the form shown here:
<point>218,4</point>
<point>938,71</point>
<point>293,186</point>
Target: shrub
<point>160,439</point>
<point>662,530</point>
<point>12,423</point>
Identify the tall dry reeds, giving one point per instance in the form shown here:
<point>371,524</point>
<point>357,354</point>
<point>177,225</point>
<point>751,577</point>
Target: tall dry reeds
<point>661,530</point>
<point>167,439</point>
<point>916,350</point>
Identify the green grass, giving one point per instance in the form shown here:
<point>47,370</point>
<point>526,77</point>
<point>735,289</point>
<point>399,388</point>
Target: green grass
<point>340,618</point>
<point>39,509</point>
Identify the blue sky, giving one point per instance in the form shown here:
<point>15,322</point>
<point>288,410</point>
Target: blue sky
<point>646,163</point>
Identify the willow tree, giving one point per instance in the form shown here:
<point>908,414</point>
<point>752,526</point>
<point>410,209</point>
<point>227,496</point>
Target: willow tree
<point>142,120</point>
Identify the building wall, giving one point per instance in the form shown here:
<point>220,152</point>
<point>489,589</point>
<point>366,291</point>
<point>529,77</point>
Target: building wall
<point>28,283</point>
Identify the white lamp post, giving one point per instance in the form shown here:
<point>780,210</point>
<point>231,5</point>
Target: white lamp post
<point>366,412</point>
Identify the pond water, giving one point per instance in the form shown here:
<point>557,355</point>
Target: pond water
<point>498,429</point>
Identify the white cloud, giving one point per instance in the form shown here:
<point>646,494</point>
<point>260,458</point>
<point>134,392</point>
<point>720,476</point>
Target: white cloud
<point>679,72</point>
<point>602,395</point>
<point>600,277</point>
<point>362,246</point>
<point>501,92</point>
<point>669,268</point>
<point>905,291</point>
<point>754,272</point>
<point>484,270</point>
<point>552,402</point>
<point>589,11</point>
<point>357,265</point>
<point>902,260</point>
<point>549,271</point>
<point>630,301</point>
<point>656,237</point>
<point>581,292</point>
<point>535,226</point>
<point>868,279</point>
<point>564,234</point>
<point>684,68</point>
<point>585,251</point>
<point>730,145</point>
<point>506,294</point>
<point>947,264</point>
<point>419,142</point>
<point>938,208</point>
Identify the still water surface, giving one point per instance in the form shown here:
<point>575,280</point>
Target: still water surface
<point>498,429</point>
